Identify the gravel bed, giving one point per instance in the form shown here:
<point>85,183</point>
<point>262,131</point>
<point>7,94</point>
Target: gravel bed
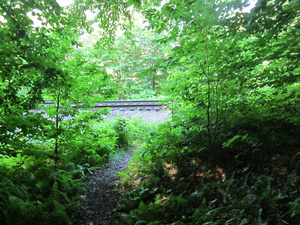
<point>159,117</point>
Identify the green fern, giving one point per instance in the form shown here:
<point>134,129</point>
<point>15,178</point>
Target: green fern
<point>57,195</point>
<point>56,204</point>
<point>59,215</point>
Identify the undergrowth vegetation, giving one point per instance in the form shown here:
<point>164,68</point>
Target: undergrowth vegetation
<point>174,180</point>
<point>42,182</point>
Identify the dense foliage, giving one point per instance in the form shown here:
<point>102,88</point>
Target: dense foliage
<point>230,153</point>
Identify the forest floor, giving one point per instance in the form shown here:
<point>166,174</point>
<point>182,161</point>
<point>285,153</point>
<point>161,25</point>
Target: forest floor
<point>103,194</point>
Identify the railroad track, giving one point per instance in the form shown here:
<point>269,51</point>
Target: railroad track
<point>130,105</point>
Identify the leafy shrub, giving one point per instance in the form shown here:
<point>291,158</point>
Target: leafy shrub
<point>122,133</point>
<point>139,129</point>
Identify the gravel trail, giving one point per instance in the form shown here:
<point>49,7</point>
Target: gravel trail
<point>101,195</point>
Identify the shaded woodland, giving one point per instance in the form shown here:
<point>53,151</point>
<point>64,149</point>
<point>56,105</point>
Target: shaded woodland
<point>230,153</point>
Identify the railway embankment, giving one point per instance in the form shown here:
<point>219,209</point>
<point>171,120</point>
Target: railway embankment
<point>148,110</point>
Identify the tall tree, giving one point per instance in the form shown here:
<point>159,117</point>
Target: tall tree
<point>32,59</point>
<point>260,73</point>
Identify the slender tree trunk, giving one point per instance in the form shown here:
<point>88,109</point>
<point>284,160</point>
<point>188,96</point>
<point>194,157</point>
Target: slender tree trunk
<point>208,109</point>
<point>217,101</point>
<point>153,77</point>
<point>57,120</point>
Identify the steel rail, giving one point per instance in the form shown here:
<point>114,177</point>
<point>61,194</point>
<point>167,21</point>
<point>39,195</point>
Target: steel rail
<point>147,105</point>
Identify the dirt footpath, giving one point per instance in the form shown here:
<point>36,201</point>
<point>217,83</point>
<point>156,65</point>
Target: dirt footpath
<point>101,195</point>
